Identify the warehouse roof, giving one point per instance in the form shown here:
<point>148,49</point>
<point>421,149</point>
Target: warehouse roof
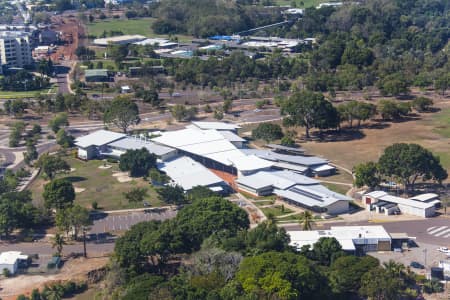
<point>295,159</point>
<point>96,72</point>
<point>98,138</point>
<point>285,148</point>
<point>425,197</point>
<point>278,179</point>
<point>216,125</point>
<point>347,236</point>
<point>231,136</point>
<point>133,143</point>
<point>10,257</point>
<point>121,39</point>
<point>383,196</point>
<point>188,173</point>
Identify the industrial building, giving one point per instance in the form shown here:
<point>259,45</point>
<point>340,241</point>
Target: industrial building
<point>97,75</point>
<point>382,202</point>
<point>188,173</point>
<point>188,154</point>
<point>11,260</point>
<point>15,49</point>
<point>295,189</point>
<point>353,239</point>
<point>104,143</point>
<point>119,40</point>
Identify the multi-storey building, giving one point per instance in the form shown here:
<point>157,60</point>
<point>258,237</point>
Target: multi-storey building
<point>15,49</point>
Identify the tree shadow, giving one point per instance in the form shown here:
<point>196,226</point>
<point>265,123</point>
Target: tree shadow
<point>74,179</point>
<point>342,135</point>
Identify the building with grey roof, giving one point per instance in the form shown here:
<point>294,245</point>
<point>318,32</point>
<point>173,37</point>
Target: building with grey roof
<point>315,165</point>
<point>15,49</point>
<point>295,189</point>
<point>119,147</point>
<point>187,173</point>
<point>92,145</point>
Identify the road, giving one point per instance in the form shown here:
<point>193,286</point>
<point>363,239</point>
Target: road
<point>434,231</point>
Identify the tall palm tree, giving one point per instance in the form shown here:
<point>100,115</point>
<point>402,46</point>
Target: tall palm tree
<point>58,242</point>
<point>306,220</point>
<point>395,268</point>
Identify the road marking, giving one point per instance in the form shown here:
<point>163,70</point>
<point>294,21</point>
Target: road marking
<point>431,228</point>
<point>436,230</point>
<point>447,236</point>
<point>442,232</point>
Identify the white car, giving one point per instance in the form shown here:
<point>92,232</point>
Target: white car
<point>444,250</point>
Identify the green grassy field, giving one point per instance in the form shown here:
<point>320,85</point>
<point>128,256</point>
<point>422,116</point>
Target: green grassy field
<point>133,26</point>
<point>441,122</point>
<point>338,188</point>
<point>29,94</point>
<point>276,210</point>
<point>99,185</point>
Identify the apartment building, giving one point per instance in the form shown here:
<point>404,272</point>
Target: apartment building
<point>15,49</point>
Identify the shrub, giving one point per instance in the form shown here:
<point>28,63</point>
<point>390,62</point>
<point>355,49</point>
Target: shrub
<point>6,273</point>
<point>95,205</point>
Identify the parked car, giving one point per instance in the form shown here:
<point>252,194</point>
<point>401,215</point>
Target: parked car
<point>444,250</point>
<point>399,250</point>
<point>416,265</point>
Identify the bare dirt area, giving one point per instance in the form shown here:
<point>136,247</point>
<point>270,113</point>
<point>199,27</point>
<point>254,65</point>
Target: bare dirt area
<point>72,34</point>
<point>75,269</point>
<point>368,143</point>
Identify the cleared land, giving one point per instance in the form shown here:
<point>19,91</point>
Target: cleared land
<point>100,185</point>
<point>431,130</point>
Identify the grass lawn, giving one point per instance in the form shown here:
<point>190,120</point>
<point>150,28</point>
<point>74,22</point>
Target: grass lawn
<point>338,188</point>
<point>263,202</point>
<point>99,185</point>
<point>441,122</point>
<point>276,210</point>
<point>29,94</point>
<point>140,26</point>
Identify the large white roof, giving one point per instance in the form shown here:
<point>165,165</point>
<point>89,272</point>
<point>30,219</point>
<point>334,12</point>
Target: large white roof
<point>213,145</point>
<point>278,179</point>
<point>188,173</point>
<point>134,143</point>
<point>10,257</point>
<point>425,197</point>
<point>98,138</point>
<point>216,125</point>
<point>347,236</point>
<point>383,196</point>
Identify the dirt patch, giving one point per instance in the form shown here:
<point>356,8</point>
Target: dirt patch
<point>75,269</point>
<point>79,190</point>
<point>376,136</point>
<point>122,177</point>
<point>104,167</point>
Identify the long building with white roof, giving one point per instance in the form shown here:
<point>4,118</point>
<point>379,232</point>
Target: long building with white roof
<point>421,205</point>
<point>188,173</point>
<point>354,239</point>
<point>296,189</point>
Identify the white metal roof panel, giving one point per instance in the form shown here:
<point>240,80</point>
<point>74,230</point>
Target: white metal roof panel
<point>216,125</point>
<point>188,173</point>
<point>133,143</point>
<point>231,136</point>
<point>425,197</point>
<point>98,138</point>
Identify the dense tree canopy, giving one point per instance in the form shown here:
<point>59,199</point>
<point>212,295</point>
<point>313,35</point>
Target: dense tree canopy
<point>409,162</point>
<point>268,132</point>
<point>122,112</point>
<point>137,162</point>
<point>59,194</point>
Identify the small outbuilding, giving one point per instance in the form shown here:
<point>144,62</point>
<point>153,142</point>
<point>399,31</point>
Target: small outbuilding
<point>11,260</point>
<point>97,75</point>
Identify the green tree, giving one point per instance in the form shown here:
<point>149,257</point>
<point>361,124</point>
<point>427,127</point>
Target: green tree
<point>310,110</point>
<point>58,242</point>
<point>63,139</point>
<point>378,284</point>
<point>73,218</point>
<point>422,104</point>
<point>366,174</point>
<point>136,194</point>
<point>275,275</point>
<point>346,273</point>
<point>171,194</point>
<point>122,112</point>
<point>181,113</point>
<point>267,132</point>
<point>137,162</point>
<point>306,220</point>
<point>52,164</point>
<point>16,211</point>
<point>59,194</point>
<point>409,162</point>
<point>441,83</point>
<point>58,121</point>
<point>393,85</point>
<point>390,109</point>
<point>227,105</point>
<point>326,250</point>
